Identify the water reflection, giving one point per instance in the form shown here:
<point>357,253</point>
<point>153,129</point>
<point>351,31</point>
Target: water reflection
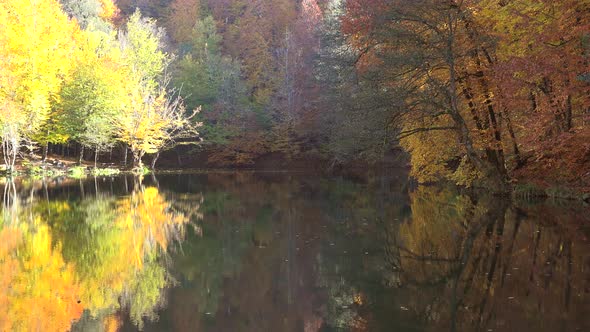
<point>97,255</point>
<point>488,265</point>
<point>281,252</point>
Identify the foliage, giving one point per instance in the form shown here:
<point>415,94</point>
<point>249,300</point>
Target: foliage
<point>479,93</point>
<point>466,86</point>
<point>90,14</point>
<point>37,43</point>
<point>154,118</point>
<point>94,98</point>
<point>77,172</point>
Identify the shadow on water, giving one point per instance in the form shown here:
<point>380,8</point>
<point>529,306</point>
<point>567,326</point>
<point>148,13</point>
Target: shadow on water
<point>286,252</point>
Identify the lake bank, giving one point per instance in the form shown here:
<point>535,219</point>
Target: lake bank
<point>523,186</point>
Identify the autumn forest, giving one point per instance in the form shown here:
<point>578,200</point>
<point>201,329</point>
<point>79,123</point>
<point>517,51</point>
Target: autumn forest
<point>295,165</point>
<point>479,93</point>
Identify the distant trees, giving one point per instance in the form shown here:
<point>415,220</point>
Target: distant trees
<point>182,18</point>
<point>93,14</point>
<point>206,78</point>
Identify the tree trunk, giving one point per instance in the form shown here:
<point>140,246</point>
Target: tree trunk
<point>45,150</point>
<point>137,156</point>
<point>568,113</point>
<point>496,180</point>
<point>125,153</point>
<point>155,160</point>
<point>513,139</point>
<point>81,157</point>
<point>95,157</point>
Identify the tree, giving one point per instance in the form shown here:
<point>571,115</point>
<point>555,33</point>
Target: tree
<point>160,124</point>
<point>95,97</point>
<point>212,82</point>
<point>354,127</point>
<point>422,53</point>
<point>153,118</point>
<point>38,40</point>
<point>89,13</point>
<point>143,51</point>
<point>184,14</point>
<point>180,128</point>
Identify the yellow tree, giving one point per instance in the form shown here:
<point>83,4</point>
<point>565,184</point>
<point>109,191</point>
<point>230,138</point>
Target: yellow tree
<point>153,115</point>
<point>109,10</point>
<point>36,41</point>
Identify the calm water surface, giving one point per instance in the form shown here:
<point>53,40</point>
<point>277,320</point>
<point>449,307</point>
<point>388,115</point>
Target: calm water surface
<point>286,252</point>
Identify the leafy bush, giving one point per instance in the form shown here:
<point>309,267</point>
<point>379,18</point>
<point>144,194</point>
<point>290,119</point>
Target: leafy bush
<point>77,172</point>
<point>105,171</point>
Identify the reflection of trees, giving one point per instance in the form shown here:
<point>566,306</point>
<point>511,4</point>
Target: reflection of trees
<point>241,271</point>
<point>263,252</point>
<point>351,268</point>
<point>212,253</point>
<point>452,262</point>
<point>100,253</point>
<point>37,287</point>
<point>467,264</point>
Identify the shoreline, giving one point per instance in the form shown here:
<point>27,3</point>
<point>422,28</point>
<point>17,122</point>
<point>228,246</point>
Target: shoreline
<point>53,168</point>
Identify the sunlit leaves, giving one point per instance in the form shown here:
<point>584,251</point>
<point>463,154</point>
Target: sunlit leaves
<point>95,96</point>
<point>152,115</point>
<point>37,42</point>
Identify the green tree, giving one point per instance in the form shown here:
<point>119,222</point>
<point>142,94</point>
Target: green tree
<point>95,97</point>
<point>153,115</point>
<point>207,79</point>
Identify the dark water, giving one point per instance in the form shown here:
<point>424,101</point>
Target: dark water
<point>287,252</point>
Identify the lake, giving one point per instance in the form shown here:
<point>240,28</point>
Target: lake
<point>247,251</point>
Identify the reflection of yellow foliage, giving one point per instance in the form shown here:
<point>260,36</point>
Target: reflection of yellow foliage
<point>111,323</point>
<point>117,265</point>
<point>108,278</point>
<point>149,214</point>
<point>9,241</point>
<point>38,289</point>
<point>144,223</point>
<point>433,231</point>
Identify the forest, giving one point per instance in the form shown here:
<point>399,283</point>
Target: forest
<point>480,93</point>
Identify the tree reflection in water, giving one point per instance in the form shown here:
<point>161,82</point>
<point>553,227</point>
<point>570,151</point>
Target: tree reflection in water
<point>286,252</point>
<point>96,255</point>
<point>466,264</point>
